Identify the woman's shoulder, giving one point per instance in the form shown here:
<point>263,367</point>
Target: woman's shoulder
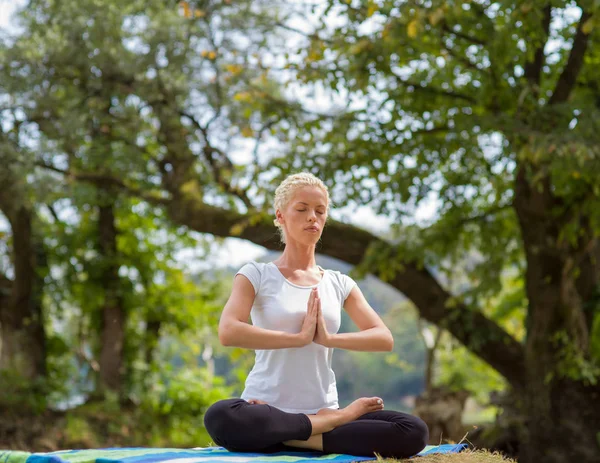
<point>342,282</point>
<point>254,266</point>
<point>337,275</point>
<point>255,272</point>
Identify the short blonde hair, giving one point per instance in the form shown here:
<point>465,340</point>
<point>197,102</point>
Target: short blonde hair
<point>285,192</point>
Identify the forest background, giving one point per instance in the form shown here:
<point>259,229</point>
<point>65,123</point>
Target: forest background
<point>142,142</point>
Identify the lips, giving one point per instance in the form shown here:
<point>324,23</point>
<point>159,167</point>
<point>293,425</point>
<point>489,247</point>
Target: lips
<point>312,229</point>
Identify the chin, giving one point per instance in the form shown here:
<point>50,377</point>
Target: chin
<point>310,239</point>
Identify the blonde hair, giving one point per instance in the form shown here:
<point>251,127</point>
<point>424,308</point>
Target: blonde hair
<point>285,192</point>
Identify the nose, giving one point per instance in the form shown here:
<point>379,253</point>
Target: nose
<point>312,216</point>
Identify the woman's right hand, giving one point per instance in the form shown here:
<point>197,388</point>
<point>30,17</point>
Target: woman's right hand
<point>309,326</point>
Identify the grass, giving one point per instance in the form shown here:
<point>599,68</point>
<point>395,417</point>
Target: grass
<point>466,456</point>
<point>469,455</point>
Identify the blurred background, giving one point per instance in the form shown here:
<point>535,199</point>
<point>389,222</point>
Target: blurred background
<point>140,146</point>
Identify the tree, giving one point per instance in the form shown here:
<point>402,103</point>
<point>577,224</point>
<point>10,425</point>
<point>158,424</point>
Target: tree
<point>90,136</point>
<point>22,334</point>
<point>440,80</point>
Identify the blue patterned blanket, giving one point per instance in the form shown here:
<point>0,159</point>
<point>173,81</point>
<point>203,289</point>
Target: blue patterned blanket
<point>197,455</point>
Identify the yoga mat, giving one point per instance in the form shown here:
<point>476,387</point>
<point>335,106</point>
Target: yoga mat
<point>196,455</point>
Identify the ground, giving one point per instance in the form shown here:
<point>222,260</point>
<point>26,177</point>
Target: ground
<point>467,456</point>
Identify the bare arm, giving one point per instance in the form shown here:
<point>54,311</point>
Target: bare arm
<point>373,336</point>
<point>234,329</point>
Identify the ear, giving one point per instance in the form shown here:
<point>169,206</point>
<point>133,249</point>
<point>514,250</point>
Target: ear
<point>279,216</point>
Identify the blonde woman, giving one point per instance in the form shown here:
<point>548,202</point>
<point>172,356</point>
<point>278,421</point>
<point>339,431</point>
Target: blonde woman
<point>290,398</point>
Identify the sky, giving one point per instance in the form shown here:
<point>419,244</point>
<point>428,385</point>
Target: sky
<point>236,252</point>
<point>7,7</point>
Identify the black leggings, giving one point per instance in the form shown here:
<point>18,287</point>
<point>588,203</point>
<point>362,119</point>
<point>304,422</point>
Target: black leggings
<point>243,427</point>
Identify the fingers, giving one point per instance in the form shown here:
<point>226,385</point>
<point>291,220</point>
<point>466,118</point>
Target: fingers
<point>315,301</point>
<point>257,402</point>
<point>311,299</point>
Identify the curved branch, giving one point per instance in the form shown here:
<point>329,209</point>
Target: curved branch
<point>481,335</point>
<point>348,243</point>
<point>106,180</point>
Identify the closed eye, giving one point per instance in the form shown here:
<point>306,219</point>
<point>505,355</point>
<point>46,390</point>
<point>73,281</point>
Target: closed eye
<point>304,210</point>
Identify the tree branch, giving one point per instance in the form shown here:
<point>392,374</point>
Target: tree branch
<point>218,170</point>
<point>311,36</point>
<point>569,75</point>
<point>482,336</point>
<point>6,286</point>
<point>257,140</point>
<point>462,59</point>
<point>441,128</point>
<point>106,180</point>
<point>468,38</point>
<point>218,89</point>
<point>295,106</point>
<point>348,243</point>
<point>533,69</point>
<point>436,91</point>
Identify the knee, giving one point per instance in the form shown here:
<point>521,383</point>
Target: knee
<point>419,436</point>
<point>219,418</point>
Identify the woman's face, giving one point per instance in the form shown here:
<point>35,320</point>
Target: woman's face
<point>304,216</point>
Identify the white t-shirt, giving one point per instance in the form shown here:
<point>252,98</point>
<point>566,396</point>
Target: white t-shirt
<point>298,379</point>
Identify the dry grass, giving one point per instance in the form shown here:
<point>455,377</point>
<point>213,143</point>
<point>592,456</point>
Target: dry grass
<point>466,456</point>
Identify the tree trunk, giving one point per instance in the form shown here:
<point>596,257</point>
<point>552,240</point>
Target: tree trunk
<point>564,422</point>
<point>442,410</point>
<point>112,336</point>
<point>22,335</point>
<point>152,336</point>
<point>563,413</point>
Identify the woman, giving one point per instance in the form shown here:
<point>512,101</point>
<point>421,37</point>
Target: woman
<point>290,398</point>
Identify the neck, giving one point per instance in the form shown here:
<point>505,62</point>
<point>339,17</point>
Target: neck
<point>300,257</point>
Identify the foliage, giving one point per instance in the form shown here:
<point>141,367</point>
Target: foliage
<point>21,393</point>
<point>460,370</point>
<point>445,101</point>
<point>111,104</point>
<point>84,86</point>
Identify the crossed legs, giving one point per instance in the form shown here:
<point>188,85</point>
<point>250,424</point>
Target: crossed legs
<point>362,428</point>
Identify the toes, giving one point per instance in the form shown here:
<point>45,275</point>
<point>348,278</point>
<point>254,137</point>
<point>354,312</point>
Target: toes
<point>377,402</point>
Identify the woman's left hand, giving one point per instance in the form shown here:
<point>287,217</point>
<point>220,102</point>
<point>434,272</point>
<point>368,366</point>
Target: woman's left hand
<point>321,335</point>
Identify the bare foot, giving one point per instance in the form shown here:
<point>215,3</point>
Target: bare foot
<point>361,406</point>
<point>327,419</point>
<point>328,411</point>
<point>356,409</point>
